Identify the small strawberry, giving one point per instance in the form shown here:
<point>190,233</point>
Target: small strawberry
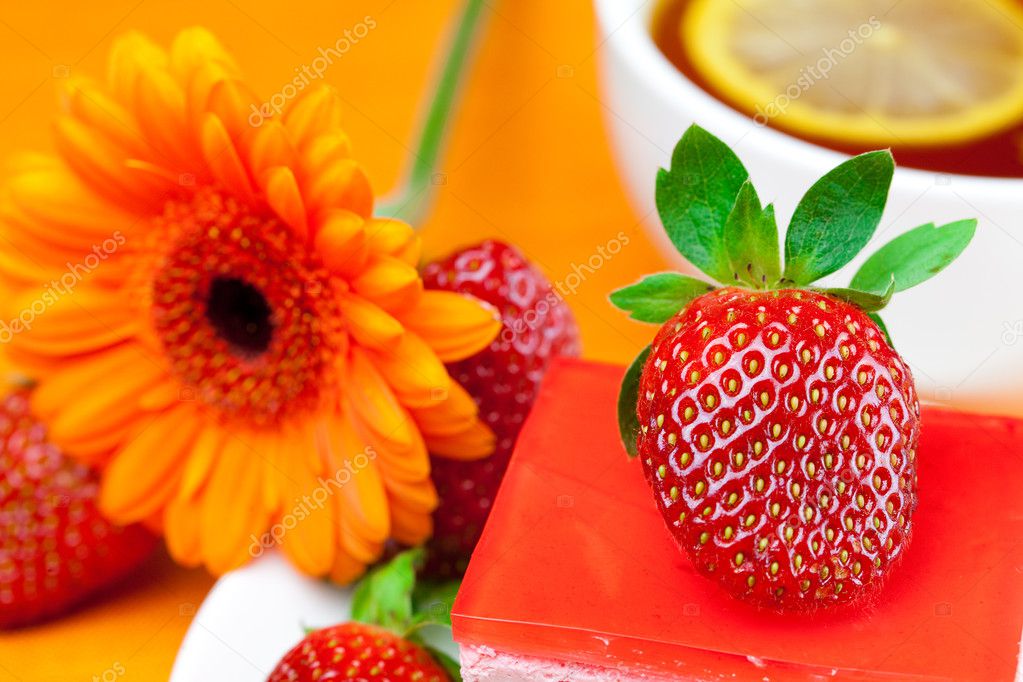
<point>503,380</point>
<point>775,423</point>
<point>382,642</point>
<point>55,548</point>
<point>355,651</point>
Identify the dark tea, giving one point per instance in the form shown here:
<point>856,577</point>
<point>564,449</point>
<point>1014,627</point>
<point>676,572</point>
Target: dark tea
<point>920,60</point>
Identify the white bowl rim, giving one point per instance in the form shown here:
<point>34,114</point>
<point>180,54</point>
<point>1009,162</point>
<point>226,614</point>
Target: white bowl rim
<point>628,21</point>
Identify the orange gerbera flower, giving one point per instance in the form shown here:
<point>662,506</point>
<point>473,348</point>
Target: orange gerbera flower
<point>216,319</point>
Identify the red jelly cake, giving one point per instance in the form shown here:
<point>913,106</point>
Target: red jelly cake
<point>577,578</point>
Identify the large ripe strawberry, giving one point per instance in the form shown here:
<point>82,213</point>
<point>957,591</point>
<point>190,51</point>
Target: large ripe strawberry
<point>775,423</point>
<point>55,548</point>
<point>503,380</point>
<point>382,642</point>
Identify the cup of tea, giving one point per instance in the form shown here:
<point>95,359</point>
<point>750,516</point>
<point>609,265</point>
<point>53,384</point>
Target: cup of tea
<point>796,87</point>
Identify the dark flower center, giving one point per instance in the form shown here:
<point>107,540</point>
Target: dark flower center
<point>240,314</point>
<point>247,315</point>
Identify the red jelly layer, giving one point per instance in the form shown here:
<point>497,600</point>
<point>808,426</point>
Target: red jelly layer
<point>576,564</point>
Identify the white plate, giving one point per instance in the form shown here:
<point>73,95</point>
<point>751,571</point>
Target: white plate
<point>252,617</point>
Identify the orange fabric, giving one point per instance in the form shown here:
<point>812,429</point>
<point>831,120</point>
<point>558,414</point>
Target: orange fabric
<point>528,163</point>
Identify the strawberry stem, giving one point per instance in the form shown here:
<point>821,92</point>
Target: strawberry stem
<point>412,200</point>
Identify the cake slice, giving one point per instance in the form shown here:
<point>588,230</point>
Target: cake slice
<point>577,578</point>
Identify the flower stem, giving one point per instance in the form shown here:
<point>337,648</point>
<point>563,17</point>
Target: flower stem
<point>412,200</point>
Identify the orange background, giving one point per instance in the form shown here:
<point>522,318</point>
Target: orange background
<point>528,162</point>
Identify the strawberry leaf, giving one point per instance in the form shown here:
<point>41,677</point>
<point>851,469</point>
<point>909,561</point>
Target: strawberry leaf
<point>881,325</point>
<point>656,298</point>
<point>628,398</point>
<point>695,197</point>
<point>751,240</point>
<point>450,665</point>
<point>384,596</point>
<point>869,302</point>
<point>432,602</point>
<point>915,256</point>
<point>837,217</point>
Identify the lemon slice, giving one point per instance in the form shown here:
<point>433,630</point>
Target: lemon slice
<point>877,72</point>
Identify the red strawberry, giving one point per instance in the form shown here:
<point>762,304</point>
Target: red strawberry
<point>503,379</point>
<point>355,651</point>
<point>383,641</point>
<point>55,548</point>
<point>775,423</point>
<point>779,433</point>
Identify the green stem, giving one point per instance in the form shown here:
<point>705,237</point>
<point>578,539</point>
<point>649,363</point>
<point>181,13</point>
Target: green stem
<point>412,200</point>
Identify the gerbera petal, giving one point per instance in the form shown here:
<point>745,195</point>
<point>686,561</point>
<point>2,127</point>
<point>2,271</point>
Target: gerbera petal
<point>200,86</point>
<point>161,395</point>
<point>375,403</point>
<point>95,447</point>
<point>18,271</point>
<point>232,509</point>
<point>182,523</point>
<point>362,498</point>
<point>321,151</point>
<point>108,403</point>
<point>341,241</point>
<point>80,377</point>
<point>199,62</point>
<point>100,112</point>
<point>389,282</point>
<point>222,157</point>
<point>141,81</point>
<point>143,476</point>
<point>285,199</point>
<point>346,569</point>
<point>394,238</point>
<point>21,239</point>
<point>102,167</point>
<point>60,206</point>
<point>410,463</point>
<point>356,545</point>
<point>130,55</point>
<point>454,414</point>
<point>271,147</point>
<point>340,184</point>
<point>195,47</point>
<point>86,320</point>
<point>160,107</point>
<point>456,326</point>
<point>200,461</point>
<point>417,496</point>
<point>315,111</point>
<point>309,541</point>
<point>369,324</point>
<point>232,101</point>
<point>272,450</point>
<point>413,371</point>
<point>475,442</point>
<point>408,526</point>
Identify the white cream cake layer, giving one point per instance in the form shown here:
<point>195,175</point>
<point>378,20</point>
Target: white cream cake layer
<point>483,664</point>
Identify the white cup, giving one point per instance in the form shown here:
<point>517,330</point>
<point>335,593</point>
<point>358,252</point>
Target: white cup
<point>962,332</point>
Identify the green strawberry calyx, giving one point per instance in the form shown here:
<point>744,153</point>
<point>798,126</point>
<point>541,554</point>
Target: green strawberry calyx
<point>714,217</point>
<point>390,597</point>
